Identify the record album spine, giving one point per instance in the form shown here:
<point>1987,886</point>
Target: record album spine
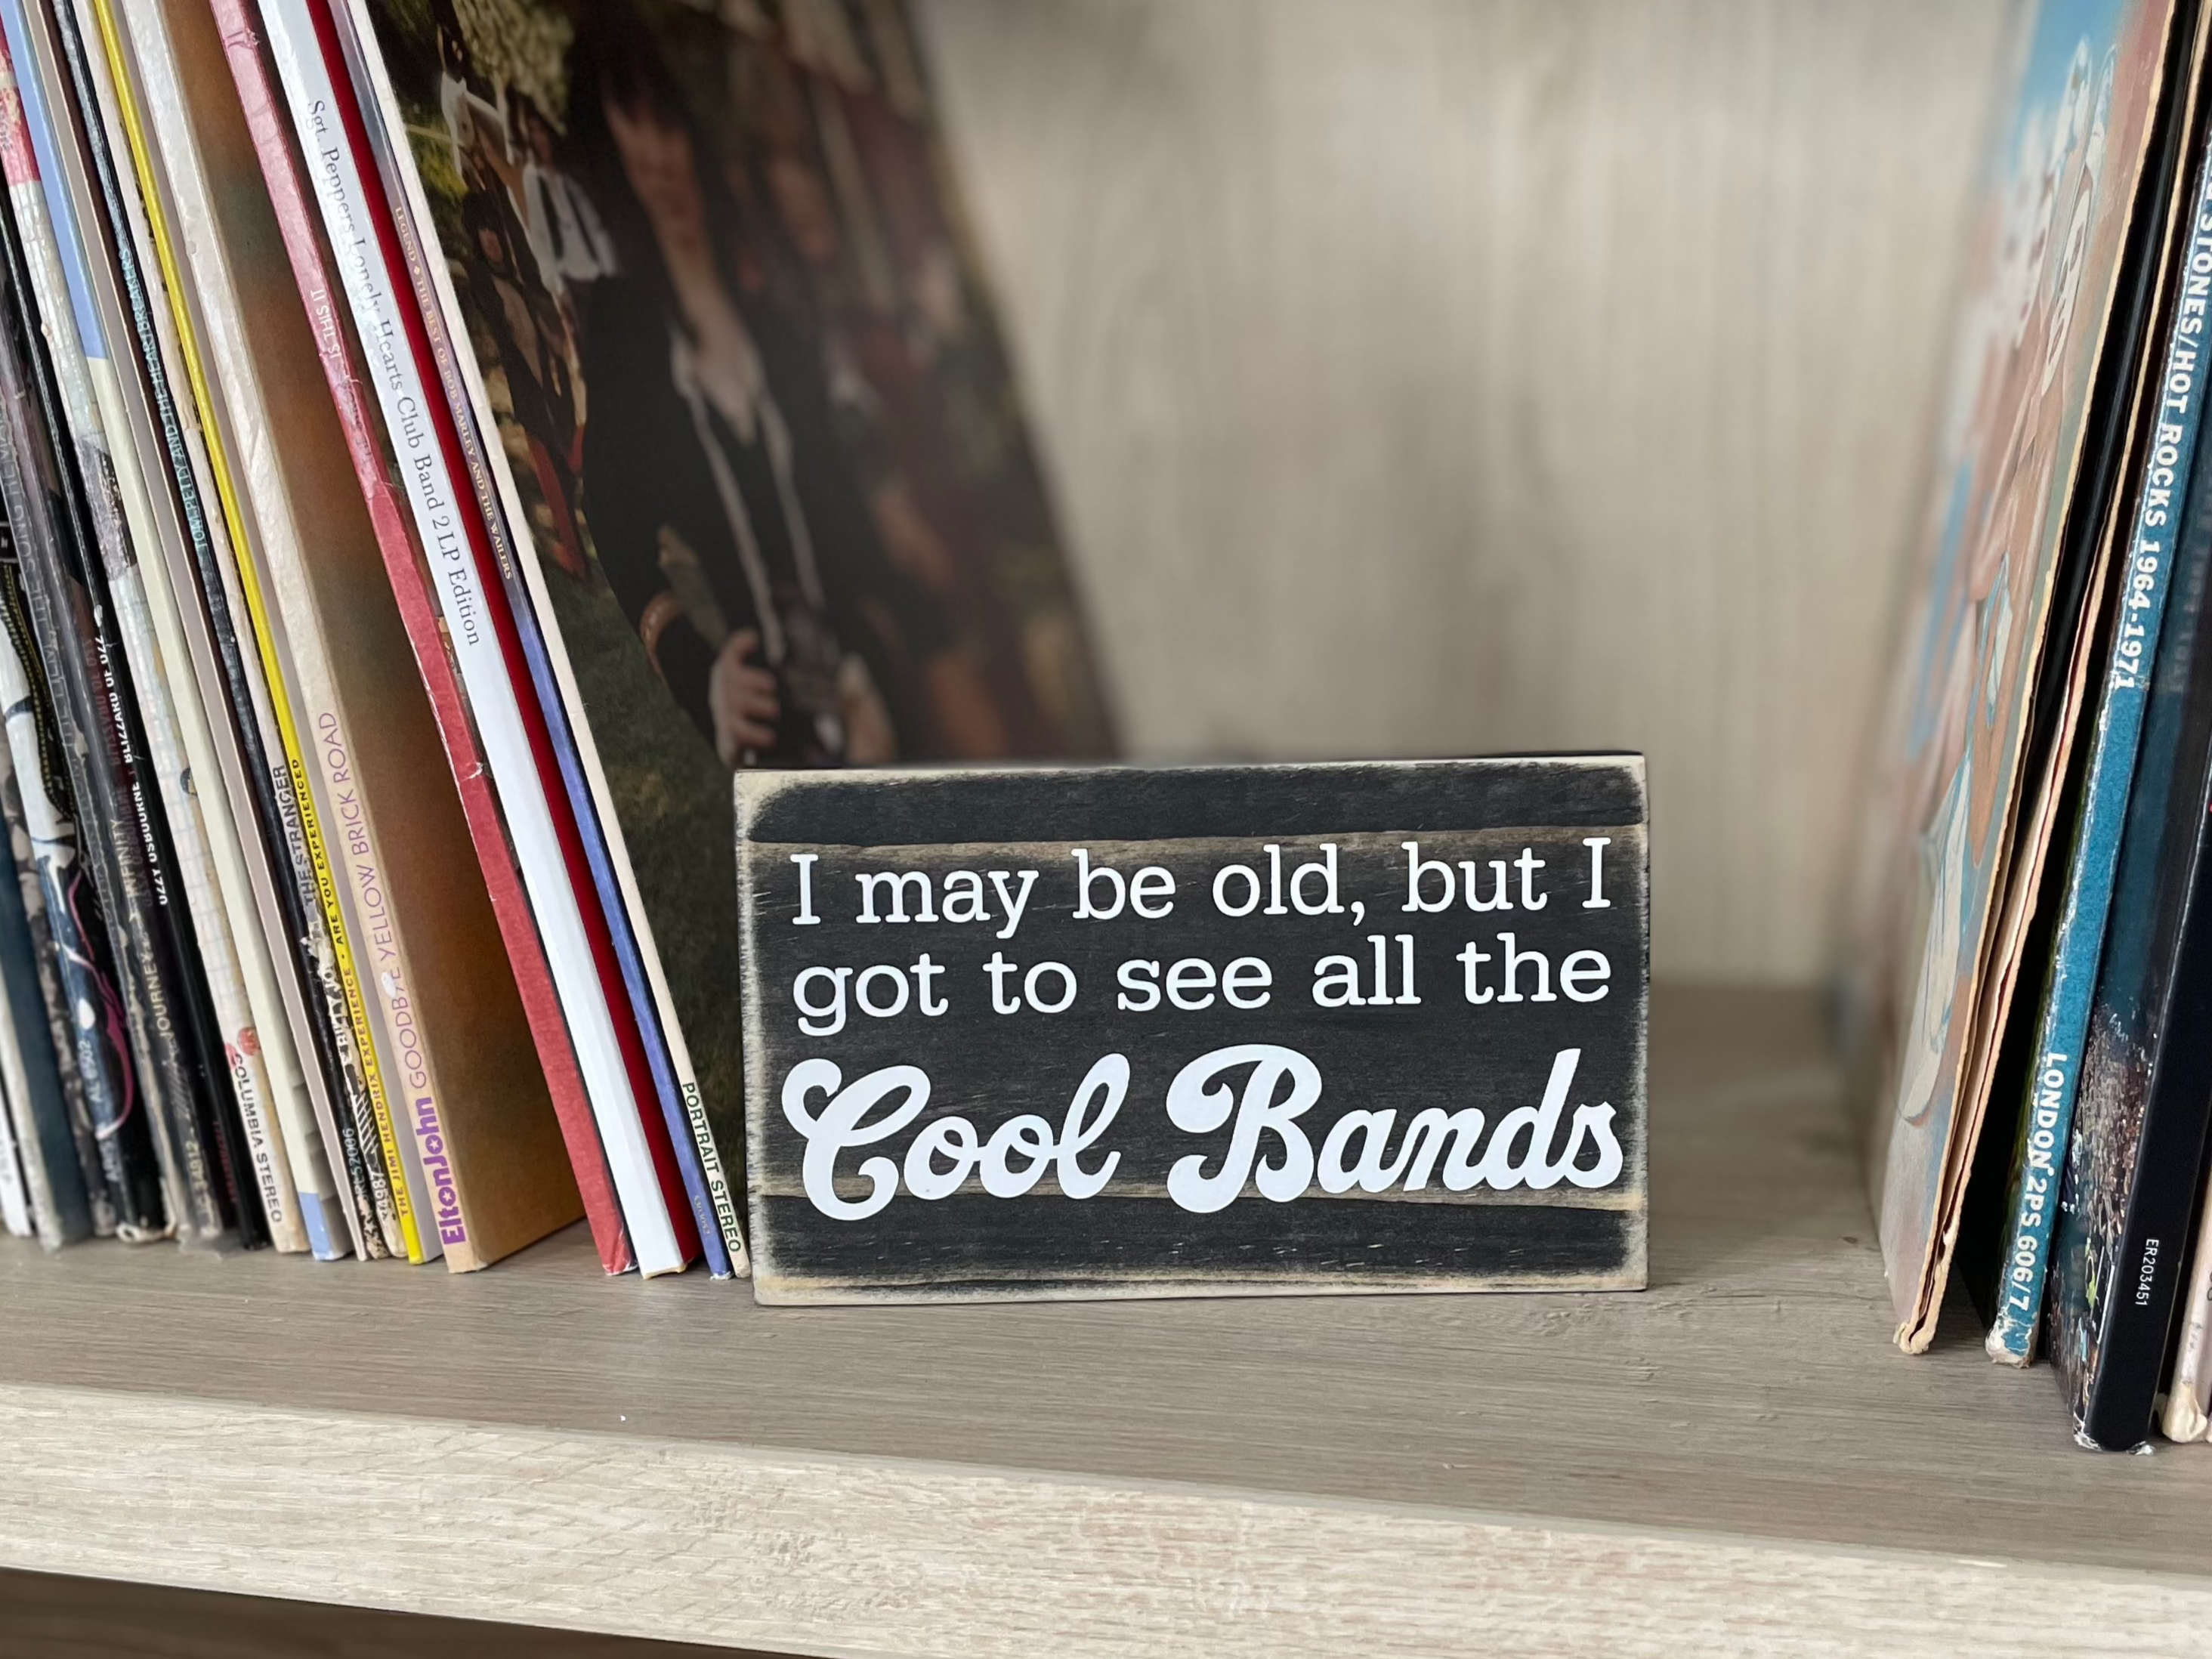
<point>2146,579</point>
<point>191,232</point>
<point>43,1152</point>
<point>508,720</point>
<point>189,1084</point>
<point>653,1039</point>
<point>325,122</point>
<point>14,1196</point>
<point>64,612</point>
<point>199,1144</point>
<point>124,1166</point>
<point>344,1111</point>
<point>55,1186</point>
<point>2132,1172</point>
<point>410,579</point>
<point>215,519</point>
<point>2168,1170</point>
<point>175,848</point>
<point>56,1155</point>
<point>266,887</point>
<point>123,522</point>
<point>2184,1418</point>
<point>248,665</point>
<point>172,448</point>
<point>60,1026</point>
<point>209,854</point>
<point>60,1032</point>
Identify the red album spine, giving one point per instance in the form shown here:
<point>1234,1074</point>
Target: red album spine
<point>533,977</point>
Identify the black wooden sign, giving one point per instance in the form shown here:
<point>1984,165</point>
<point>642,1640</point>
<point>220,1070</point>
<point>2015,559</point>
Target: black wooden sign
<point>1109,1032</point>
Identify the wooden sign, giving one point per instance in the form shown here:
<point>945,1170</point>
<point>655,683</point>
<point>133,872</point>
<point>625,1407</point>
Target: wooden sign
<point>1108,1032</point>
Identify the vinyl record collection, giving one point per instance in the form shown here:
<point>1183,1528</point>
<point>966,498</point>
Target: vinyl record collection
<point>2032,986</point>
<point>440,440</point>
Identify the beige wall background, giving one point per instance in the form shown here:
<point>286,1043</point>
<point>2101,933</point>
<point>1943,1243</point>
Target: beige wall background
<point>1445,376</point>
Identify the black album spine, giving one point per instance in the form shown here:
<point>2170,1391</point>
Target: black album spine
<point>66,599</point>
<point>2154,1254</point>
<point>17,793</point>
<point>76,957</point>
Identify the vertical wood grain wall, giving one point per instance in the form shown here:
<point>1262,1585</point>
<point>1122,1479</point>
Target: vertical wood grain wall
<point>1445,376</point>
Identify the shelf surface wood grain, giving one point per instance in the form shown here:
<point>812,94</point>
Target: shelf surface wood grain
<point>1736,1456</point>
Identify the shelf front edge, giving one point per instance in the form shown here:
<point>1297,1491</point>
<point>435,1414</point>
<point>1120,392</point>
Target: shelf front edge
<point>813,1553</point>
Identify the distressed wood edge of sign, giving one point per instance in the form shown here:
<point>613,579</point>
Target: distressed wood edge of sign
<point>798,1291</point>
<point>766,780</point>
<point>754,789</point>
<point>752,1038</point>
<point>817,1552</point>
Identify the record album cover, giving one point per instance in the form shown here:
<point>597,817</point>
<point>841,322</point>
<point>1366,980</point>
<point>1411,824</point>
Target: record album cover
<point>753,411</point>
<point>2057,196</point>
<point>2164,443</point>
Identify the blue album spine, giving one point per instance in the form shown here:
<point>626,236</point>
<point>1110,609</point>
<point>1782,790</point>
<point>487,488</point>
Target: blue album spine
<point>2064,1023</point>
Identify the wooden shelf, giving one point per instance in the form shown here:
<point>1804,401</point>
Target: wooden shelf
<point>1736,1456</point>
